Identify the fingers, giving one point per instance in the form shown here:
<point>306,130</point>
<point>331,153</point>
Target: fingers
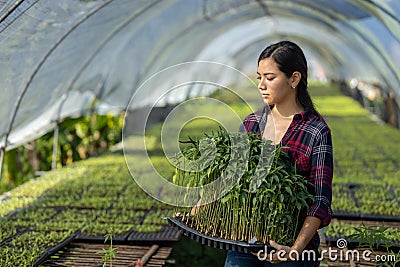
<point>195,210</point>
<point>275,245</point>
<point>280,254</point>
<point>179,214</point>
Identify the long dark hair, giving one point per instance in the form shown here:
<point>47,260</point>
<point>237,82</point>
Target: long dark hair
<point>290,58</point>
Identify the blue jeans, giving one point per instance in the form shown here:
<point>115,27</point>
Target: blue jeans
<point>241,259</point>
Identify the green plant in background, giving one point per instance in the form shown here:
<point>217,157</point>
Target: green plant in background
<point>110,253</point>
<point>375,236</point>
<point>79,138</point>
<point>266,201</point>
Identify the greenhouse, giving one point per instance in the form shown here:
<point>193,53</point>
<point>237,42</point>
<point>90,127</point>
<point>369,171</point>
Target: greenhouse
<point>98,98</point>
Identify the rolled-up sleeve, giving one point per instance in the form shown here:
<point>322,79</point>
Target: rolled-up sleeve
<point>321,176</point>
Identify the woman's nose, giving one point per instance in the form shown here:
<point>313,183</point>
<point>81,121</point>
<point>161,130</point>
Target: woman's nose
<point>261,85</point>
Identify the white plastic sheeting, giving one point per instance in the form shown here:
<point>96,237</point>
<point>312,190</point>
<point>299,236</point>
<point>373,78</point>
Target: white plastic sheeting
<point>56,57</point>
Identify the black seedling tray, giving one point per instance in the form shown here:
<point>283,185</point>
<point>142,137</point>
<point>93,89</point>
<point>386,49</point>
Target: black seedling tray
<point>215,241</point>
<point>166,234</point>
<point>368,217</point>
<point>100,238</point>
<point>355,243</point>
<point>49,252</point>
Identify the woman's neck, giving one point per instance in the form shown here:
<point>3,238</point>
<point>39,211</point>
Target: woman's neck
<point>287,110</point>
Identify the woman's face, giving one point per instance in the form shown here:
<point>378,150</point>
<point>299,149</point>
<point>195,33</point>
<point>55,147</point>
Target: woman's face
<point>273,84</point>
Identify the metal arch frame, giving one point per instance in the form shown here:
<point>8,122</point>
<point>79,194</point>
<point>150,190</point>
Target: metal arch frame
<point>206,14</point>
<point>43,60</point>
<point>364,6</point>
<point>86,63</point>
<point>93,11</point>
<point>331,27</point>
<point>95,53</point>
<point>382,56</point>
<point>335,16</point>
<point>35,71</point>
<point>14,8</point>
<point>328,27</point>
<point>172,39</point>
<point>325,53</point>
<point>11,10</point>
<point>330,16</point>
<point>318,50</point>
<point>83,67</point>
<point>259,2</point>
<point>168,43</point>
<point>381,8</point>
<point>182,33</point>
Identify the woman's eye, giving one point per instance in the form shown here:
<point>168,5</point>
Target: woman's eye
<point>258,78</point>
<point>270,79</point>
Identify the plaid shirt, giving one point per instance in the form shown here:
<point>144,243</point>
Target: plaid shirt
<point>309,143</point>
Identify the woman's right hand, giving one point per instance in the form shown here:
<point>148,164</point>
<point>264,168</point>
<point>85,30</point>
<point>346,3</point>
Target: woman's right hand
<point>193,211</point>
<point>196,208</point>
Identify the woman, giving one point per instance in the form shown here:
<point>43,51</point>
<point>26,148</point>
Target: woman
<point>292,121</point>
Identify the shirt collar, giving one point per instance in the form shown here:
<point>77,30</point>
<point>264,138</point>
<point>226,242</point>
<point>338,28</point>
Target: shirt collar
<point>304,115</point>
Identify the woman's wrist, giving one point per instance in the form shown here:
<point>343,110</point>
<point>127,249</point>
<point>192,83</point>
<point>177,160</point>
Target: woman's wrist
<point>297,248</point>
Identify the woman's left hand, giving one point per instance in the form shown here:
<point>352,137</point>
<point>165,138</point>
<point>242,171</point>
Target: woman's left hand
<point>279,253</point>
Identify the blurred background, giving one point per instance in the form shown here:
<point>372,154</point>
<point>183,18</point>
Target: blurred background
<point>75,74</point>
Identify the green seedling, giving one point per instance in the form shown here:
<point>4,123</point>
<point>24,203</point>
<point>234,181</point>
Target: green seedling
<point>110,253</point>
<point>267,209</point>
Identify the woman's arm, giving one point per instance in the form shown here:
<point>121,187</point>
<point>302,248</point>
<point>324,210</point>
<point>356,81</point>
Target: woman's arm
<point>286,253</point>
<point>310,227</point>
<point>321,177</point>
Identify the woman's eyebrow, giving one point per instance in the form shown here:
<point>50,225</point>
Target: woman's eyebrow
<point>267,73</point>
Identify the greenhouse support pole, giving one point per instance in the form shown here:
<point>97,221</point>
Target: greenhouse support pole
<point>3,152</point>
<point>55,148</point>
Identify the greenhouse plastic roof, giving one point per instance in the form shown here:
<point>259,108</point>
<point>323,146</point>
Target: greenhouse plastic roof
<point>57,57</point>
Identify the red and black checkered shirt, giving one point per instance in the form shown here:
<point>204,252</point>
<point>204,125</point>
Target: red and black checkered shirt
<point>309,143</point>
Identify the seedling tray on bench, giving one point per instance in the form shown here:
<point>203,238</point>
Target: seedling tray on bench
<point>215,241</point>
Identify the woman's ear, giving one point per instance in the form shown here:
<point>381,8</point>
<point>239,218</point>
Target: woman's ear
<point>295,79</point>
